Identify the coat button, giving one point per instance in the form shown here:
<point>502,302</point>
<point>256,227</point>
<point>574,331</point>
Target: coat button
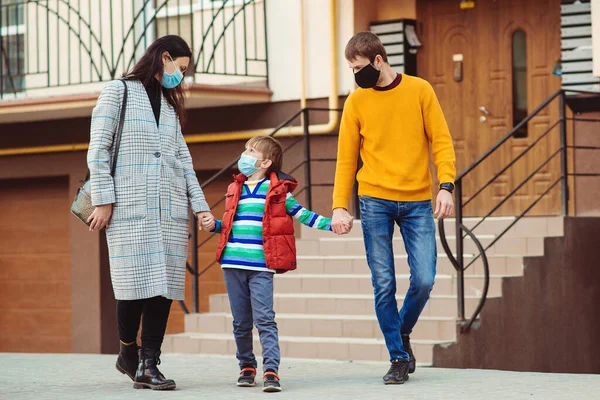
<point>157,154</point>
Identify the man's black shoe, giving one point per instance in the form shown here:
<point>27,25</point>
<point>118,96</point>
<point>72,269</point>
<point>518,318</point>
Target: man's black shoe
<point>398,372</point>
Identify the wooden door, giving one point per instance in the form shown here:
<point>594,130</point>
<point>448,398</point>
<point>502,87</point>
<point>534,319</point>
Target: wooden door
<point>35,268</point>
<point>479,109</point>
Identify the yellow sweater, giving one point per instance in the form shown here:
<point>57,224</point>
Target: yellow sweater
<point>393,129</point>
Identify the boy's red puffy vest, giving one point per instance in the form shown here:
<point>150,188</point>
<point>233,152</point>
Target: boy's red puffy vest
<point>278,227</point>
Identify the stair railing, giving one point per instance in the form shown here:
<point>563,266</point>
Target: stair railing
<point>462,231</point>
<point>304,115</point>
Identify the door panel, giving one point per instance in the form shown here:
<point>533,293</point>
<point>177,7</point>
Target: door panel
<point>35,269</point>
<point>483,35</point>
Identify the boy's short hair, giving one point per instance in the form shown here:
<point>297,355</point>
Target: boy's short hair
<point>271,150</point>
<point>365,44</point>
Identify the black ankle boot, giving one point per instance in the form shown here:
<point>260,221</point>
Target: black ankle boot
<point>127,361</point>
<point>148,376</point>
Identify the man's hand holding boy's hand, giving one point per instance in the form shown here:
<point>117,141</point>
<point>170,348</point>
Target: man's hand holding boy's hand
<point>341,222</point>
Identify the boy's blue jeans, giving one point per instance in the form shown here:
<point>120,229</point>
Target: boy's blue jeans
<point>251,300</point>
<point>417,226</point>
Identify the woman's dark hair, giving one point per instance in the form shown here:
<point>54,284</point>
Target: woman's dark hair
<point>151,64</point>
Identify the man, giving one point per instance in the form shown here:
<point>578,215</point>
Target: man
<point>393,119</point>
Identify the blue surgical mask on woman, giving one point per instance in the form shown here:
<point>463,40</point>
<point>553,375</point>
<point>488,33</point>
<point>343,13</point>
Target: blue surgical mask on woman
<point>247,163</point>
<point>170,81</point>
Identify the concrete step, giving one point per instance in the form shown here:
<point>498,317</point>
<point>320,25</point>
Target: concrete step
<point>348,264</point>
<point>526,227</point>
<point>341,245</point>
<point>348,304</point>
<point>319,325</point>
<point>328,348</point>
<point>362,284</point>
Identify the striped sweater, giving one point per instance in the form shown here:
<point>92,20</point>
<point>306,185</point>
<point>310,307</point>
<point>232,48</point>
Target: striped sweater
<point>244,250</point>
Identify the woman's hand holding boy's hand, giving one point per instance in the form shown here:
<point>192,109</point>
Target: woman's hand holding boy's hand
<point>206,221</point>
<point>209,224</point>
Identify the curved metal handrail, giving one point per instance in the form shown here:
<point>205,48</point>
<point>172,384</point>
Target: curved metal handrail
<point>466,326</point>
<point>442,231</point>
<point>486,282</point>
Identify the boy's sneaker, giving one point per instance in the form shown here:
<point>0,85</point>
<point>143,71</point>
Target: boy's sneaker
<point>412,362</point>
<point>247,376</point>
<point>398,372</point>
<point>271,383</point>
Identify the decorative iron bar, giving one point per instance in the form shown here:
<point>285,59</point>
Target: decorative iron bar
<point>457,257</point>
<point>55,43</point>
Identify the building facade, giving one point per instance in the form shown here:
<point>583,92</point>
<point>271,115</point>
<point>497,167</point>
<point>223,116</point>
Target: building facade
<point>257,63</point>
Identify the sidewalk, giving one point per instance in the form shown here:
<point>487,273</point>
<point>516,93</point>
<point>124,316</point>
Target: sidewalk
<point>91,377</point>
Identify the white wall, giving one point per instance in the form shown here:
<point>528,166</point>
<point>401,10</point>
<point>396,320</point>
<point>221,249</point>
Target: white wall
<point>596,36</point>
<point>283,32</point>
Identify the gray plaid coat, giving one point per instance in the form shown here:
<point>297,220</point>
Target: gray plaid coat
<point>151,192</point>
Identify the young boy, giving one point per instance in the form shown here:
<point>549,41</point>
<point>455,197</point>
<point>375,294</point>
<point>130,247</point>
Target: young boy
<point>257,241</point>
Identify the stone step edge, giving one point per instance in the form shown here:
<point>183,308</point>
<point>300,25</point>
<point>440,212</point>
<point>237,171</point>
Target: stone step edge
<point>504,218</point>
<point>494,219</point>
<point>401,256</point>
<point>344,296</point>
<point>399,238</point>
<point>324,316</point>
<point>398,276</point>
<point>308,339</point>
<point>287,359</point>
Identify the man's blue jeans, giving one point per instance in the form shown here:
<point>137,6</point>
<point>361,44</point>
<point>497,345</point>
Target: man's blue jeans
<point>417,226</point>
<point>251,300</point>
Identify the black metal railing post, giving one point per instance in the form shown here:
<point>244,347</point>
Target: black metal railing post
<point>460,278</point>
<point>195,286</point>
<point>1,56</point>
<point>356,200</point>
<point>307,171</point>
<point>355,191</point>
<point>563,155</point>
<point>266,41</point>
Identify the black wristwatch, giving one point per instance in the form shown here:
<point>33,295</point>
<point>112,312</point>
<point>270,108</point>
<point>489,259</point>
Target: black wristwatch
<point>447,186</point>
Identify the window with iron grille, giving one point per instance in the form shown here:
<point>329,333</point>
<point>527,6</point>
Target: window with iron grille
<point>12,46</point>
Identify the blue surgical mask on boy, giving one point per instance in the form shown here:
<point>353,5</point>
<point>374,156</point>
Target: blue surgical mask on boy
<point>247,163</point>
<point>170,81</point>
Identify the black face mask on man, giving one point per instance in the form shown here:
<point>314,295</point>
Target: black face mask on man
<point>367,77</point>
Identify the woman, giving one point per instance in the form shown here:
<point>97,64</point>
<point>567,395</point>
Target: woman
<point>145,206</point>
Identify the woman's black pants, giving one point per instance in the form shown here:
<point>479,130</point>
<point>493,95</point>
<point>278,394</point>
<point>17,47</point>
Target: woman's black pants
<point>153,313</point>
